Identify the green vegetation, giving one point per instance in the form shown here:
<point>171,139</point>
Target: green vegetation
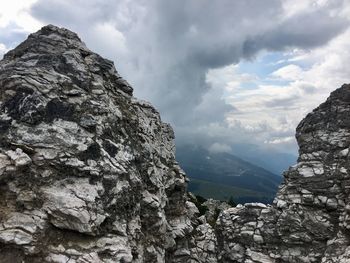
<point>230,194</point>
<point>198,201</point>
<point>223,176</point>
<point>215,217</point>
<point>231,201</point>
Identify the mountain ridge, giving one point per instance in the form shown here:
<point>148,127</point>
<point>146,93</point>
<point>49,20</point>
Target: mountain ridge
<point>229,170</point>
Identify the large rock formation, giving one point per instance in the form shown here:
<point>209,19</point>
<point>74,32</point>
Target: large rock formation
<point>88,174</point>
<point>310,218</point>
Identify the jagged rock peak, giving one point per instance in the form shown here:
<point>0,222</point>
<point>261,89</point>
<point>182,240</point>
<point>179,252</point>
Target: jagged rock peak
<point>59,49</point>
<point>330,117</point>
<point>309,219</point>
<point>49,39</point>
<point>87,172</point>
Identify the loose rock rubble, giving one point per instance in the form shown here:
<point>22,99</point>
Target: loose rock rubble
<point>88,174</point>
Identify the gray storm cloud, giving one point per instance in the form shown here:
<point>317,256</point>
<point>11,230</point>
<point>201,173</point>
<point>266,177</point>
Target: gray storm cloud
<point>165,48</point>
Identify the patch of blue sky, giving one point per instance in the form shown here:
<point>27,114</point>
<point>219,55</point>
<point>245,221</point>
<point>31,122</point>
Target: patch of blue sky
<point>263,66</point>
<point>248,85</point>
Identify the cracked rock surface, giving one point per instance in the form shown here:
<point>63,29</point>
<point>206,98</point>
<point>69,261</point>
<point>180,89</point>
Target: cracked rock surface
<point>309,220</point>
<point>87,172</point>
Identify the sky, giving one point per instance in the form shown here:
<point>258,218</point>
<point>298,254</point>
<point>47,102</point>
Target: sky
<point>221,72</point>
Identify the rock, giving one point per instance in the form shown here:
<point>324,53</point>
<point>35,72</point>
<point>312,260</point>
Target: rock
<point>18,157</point>
<point>213,208</point>
<point>309,209</point>
<point>75,206</point>
<point>204,244</point>
<point>15,236</point>
<point>88,172</point>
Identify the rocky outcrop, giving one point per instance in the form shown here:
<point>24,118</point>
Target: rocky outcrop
<point>309,219</point>
<point>87,172</point>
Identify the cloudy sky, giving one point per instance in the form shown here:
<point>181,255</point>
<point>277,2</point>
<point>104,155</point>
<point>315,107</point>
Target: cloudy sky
<point>221,72</point>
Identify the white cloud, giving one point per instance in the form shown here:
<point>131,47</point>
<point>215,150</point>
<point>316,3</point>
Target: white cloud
<point>3,50</point>
<point>185,62</point>
<point>229,78</point>
<point>272,111</point>
<point>289,72</point>
<point>280,140</point>
<point>219,148</point>
<point>292,7</point>
<point>17,12</point>
<point>111,39</point>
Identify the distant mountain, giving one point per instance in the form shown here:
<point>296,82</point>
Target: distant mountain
<point>223,175</point>
<point>270,160</point>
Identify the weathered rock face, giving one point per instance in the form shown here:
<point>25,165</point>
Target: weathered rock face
<point>310,218</point>
<point>87,172</point>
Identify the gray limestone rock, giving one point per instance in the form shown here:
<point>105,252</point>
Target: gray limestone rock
<point>87,172</point>
<point>309,219</point>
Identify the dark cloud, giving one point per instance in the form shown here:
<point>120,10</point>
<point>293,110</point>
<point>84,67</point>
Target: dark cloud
<point>165,48</point>
<point>287,102</point>
<point>11,35</point>
<point>307,88</point>
<point>306,30</point>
